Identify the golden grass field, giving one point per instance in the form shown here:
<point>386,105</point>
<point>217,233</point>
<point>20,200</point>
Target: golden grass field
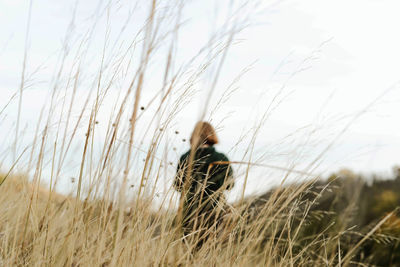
<point>39,228</point>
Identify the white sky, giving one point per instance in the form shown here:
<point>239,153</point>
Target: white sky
<point>348,52</point>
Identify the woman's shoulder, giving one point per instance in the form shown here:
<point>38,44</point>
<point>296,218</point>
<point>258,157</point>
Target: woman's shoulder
<point>185,155</point>
<point>220,156</point>
<point>213,154</point>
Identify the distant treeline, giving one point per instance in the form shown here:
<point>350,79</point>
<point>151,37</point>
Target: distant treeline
<point>345,210</point>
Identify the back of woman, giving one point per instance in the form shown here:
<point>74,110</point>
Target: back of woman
<point>202,176</point>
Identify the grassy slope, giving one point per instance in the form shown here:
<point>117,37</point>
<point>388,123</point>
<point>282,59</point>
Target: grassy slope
<point>278,230</point>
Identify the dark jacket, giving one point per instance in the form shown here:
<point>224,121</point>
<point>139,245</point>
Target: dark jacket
<point>207,180</point>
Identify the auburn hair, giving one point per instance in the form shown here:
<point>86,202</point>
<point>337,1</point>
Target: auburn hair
<point>203,133</point>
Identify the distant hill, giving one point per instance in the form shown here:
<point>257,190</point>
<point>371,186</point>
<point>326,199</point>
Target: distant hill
<point>345,205</point>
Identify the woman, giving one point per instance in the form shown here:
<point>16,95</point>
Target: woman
<point>202,176</point>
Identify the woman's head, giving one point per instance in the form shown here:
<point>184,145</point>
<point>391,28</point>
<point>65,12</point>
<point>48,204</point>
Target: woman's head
<point>203,133</point>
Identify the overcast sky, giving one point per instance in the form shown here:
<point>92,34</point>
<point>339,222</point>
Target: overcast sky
<point>333,58</point>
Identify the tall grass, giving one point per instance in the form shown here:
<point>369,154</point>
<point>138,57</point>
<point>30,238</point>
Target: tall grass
<point>109,154</point>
